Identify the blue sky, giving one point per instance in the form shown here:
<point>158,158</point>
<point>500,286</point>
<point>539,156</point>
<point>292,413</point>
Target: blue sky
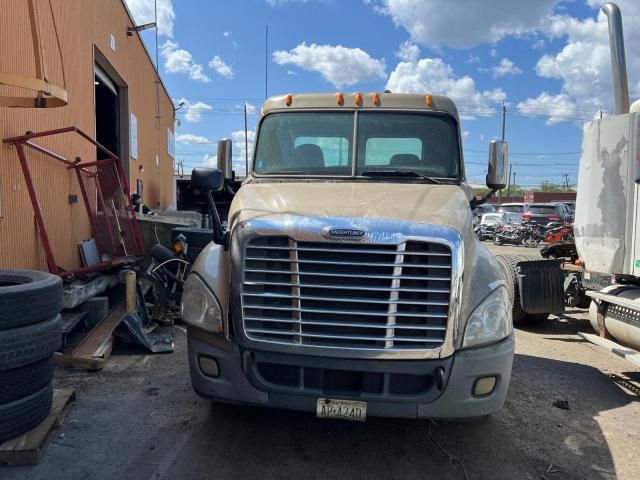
<point>548,60</point>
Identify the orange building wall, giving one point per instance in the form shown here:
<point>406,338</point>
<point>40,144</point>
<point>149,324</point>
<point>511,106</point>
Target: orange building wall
<point>81,25</point>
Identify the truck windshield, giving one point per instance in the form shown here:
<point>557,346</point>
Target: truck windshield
<point>321,143</point>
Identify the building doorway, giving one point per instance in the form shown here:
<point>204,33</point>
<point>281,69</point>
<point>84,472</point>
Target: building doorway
<point>111,110</point>
<point>107,113</point>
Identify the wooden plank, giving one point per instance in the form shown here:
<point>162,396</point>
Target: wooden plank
<point>624,352</point>
<point>96,347</point>
<point>27,448</point>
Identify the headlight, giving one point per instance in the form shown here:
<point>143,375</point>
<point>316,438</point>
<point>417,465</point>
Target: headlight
<point>199,307</point>
<point>490,321</point>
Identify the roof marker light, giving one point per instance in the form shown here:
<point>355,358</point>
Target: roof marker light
<point>288,99</point>
<point>358,99</point>
<point>340,99</point>
<point>376,99</point>
<point>428,100</point>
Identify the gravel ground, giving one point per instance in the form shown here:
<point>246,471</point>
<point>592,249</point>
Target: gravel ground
<point>140,419</point>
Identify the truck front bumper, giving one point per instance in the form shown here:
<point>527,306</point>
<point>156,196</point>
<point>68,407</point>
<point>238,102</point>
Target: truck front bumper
<point>234,382</point>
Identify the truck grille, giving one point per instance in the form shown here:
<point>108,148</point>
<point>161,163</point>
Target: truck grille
<point>346,295</point>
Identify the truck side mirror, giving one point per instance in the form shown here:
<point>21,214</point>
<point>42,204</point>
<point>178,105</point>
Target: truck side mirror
<point>498,165</point>
<point>225,158</point>
<point>209,180</point>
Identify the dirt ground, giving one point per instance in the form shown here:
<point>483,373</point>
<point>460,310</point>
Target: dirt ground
<point>140,419</point>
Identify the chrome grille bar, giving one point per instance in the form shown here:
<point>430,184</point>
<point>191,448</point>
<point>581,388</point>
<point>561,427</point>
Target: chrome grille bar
<point>346,295</point>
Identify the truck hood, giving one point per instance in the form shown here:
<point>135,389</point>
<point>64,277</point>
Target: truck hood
<point>445,205</point>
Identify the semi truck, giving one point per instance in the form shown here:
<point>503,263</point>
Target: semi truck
<point>345,279</point>
<point>607,208</point>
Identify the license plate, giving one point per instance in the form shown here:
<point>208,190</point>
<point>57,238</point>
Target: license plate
<point>343,409</point>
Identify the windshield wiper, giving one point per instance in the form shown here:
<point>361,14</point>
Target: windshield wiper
<point>398,173</point>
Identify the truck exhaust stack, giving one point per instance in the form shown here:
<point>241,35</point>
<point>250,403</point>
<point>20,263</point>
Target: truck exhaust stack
<point>618,62</point>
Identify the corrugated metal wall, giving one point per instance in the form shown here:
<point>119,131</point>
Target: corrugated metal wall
<point>81,24</point>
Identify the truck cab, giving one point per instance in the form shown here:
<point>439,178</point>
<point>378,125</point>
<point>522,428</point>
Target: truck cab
<point>346,279</point>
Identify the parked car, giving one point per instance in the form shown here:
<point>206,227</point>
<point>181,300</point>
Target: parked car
<point>543,213</point>
<point>514,218</point>
<point>487,225</point>
<point>480,211</point>
<point>512,208</point>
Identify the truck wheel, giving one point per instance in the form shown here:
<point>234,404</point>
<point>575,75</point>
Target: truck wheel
<point>22,415</point>
<point>26,345</point>
<point>23,381</point>
<point>509,264</point>
<point>28,297</point>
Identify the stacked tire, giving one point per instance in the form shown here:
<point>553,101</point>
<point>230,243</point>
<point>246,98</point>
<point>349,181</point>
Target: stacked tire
<point>30,332</point>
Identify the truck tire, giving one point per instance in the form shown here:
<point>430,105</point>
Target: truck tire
<point>28,297</point>
<point>509,264</point>
<point>23,381</point>
<point>26,413</point>
<point>26,345</point>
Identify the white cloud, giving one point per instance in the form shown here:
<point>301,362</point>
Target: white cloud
<point>291,72</point>
<point>555,107</point>
<point>221,68</point>
<point>473,59</point>
<point>464,23</point>
<point>493,52</point>
<point>583,65</point>
<point>227,34</point>
<point>339,65</point>
<point>434,76</point>
<point>465,134</point>
<point>179,60</point>
<point>143,12</point>
<point>193,111</point>
<point>408,51</point>
<point>505,68</point>
<point>189,138</point>
<point>210,160</point>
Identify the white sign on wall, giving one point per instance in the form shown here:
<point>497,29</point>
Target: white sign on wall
<point>134,137</point>
<point>171,143</point>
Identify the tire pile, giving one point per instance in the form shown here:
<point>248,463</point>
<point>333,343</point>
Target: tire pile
<point>30,332</point>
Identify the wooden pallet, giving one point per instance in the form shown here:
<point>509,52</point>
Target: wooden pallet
<point>94,350</point>
<point>28,447</point>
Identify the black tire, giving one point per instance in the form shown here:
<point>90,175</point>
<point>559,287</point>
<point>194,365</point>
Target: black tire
<point>26,345</point>
<point>22,415</point>
<point>23,381</point>
<point>509,264</point>
<point>28,297</point>
<point>497,240</point>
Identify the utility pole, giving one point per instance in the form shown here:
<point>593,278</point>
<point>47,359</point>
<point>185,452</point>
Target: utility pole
<point>514,185</point>
<point>509,181</point>
<point>246,143</point>
<point>266,61</point>
<point>566,181</point>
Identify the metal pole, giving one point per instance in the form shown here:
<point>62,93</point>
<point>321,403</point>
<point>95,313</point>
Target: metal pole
<point>266,60</point>
<point>514,185</point>
<point>246,143</point>
<point>509,181</point>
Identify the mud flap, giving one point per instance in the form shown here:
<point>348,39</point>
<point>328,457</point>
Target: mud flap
<point>541,285</point>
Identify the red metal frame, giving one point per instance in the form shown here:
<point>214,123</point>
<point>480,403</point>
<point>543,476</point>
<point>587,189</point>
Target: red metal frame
<point>21,141</point>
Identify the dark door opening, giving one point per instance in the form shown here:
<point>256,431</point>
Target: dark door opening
<point>107,114</point>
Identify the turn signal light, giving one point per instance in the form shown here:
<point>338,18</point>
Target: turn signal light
<point>358,99</point>
<point>340,99</point>
<point>288,99</point>
<point>428,100</point>
<point>376,99</point>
